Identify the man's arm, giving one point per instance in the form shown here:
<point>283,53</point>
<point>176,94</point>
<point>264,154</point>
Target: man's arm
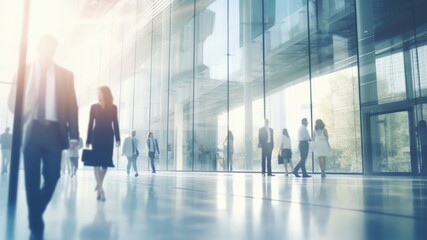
<point>125,145</point>
<point>272,136</point>
<point>157,147</point>
<point>73,113</point>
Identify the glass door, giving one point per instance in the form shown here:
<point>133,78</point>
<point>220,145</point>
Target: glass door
<point>390,142</point>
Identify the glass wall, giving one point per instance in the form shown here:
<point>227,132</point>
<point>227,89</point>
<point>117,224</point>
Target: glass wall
<point>203,74</point>
<point>392,63</point>
<point>334,81</point>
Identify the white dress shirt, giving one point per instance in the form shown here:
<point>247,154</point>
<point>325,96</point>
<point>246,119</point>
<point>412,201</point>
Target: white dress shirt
<point>303,134</point>
<point>152,145</point>
<point>286,142</point>
<point>268,134</point>
<point>51,114</point>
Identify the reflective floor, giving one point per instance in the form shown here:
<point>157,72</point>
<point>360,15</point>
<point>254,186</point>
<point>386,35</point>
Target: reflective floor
<point>228,206</point>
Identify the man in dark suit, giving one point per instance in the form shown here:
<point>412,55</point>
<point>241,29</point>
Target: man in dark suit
<point>266,143</point>
<point>152,147</point>
<point>50,124</point>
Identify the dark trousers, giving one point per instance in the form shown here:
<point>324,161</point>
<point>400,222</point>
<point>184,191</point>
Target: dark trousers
<point>152,156</point>
<point>43,146</point>
<point>303,151</point>
<point>266,158</point>
<point>424,160</point>
<point>5,159</point>
<point>132,161</point>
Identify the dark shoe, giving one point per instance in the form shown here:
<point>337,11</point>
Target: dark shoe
<point>306,176</point>
<point>263,174</point>
<point>153,172</point>
<point>271,175</point>
<point>296,174</point>
<point>136,175</point>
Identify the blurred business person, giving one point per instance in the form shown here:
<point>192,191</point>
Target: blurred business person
<point>103,128</point>
<point>323,148</point>
<point>73,155</point>
<point>50,119</point>
<point>304,139</point>
<point>266,142</point>
<point>130,150</point>
<point>228,146</point>
<point>153,147</point>
<point>6,143</point>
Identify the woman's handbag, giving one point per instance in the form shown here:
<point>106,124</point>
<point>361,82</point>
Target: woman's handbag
<point>279,159</point>
<point>88,156</point>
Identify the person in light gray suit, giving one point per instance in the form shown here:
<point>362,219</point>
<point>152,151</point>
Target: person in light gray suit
<point>130,150</point>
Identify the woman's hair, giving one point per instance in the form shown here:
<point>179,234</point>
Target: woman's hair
<point>149,134</point>
<point>319,124</point>
<point>285,132</point>
<point>107,96</point>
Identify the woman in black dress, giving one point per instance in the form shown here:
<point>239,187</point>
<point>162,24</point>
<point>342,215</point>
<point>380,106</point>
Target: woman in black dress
<point>103,127</point>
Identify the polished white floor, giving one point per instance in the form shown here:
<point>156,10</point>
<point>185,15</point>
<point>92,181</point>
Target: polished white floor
<point>228,206</point>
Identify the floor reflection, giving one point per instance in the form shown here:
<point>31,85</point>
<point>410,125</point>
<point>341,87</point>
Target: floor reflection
<point>152,198</point>
<point>130,203</point>
<point>267,216</point>
<point>236,206</point>
<point>100,227</point>
<point>305,210</point>
<point>322,212</point>
<point>69,224</point>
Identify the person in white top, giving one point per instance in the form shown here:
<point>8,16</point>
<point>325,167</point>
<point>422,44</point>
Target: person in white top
<point>323,148</point>
<point>285,150</point>
<point>304,138</point>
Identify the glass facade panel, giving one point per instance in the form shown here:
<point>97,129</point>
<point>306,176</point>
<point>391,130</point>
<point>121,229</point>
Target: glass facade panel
<point>159,84</point>
<point>334,81</point>
<point>287,67</point>
<point>392,58</point>
<point>181,86</point>
<point>191,71</point>
<point>210,93</point>
<point>390,142</point>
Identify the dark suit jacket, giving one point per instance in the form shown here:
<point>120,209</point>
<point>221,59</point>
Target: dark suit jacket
<point>66,104</point>
<point>263,138</point>
<point>156,145</point>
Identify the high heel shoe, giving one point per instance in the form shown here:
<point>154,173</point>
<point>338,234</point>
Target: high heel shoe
<point>102,196</point>
<point>98,194</point>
